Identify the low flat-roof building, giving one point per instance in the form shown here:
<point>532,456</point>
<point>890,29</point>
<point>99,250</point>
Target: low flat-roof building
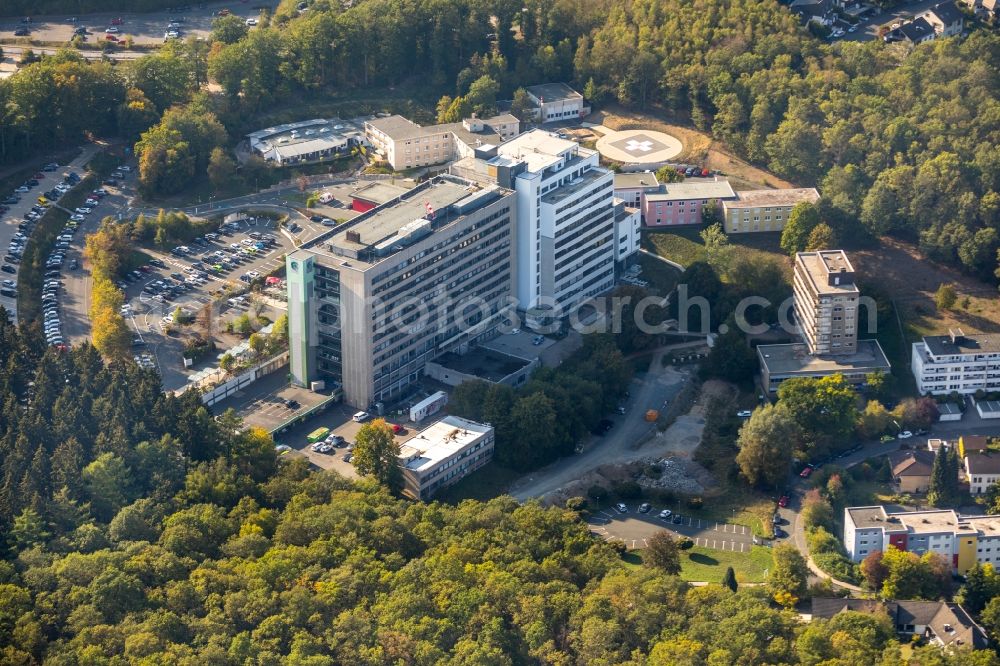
<point>305,141</point>
<point>763,210</point>
<point>443,453</point>
<point>375,194</point>
<point>781,362</point>
<point>556,101</point>
<point>631,187</point>
<point>682,203</point>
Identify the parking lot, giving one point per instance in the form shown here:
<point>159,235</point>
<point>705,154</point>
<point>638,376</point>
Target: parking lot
<point>23,210</point>
<point>148,28</point>
<point>634,528</point>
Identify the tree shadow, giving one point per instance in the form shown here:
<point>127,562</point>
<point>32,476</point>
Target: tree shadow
<point>701,558</point>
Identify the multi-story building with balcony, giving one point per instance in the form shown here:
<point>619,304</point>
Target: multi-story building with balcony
<point>826,301</point>
<point>372,300</point>
<point>956,362</point>
<point>961,540</point>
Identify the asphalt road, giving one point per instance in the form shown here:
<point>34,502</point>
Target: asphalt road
<point>653,389</point>
<point>144,29</point>
<point>634,529</point>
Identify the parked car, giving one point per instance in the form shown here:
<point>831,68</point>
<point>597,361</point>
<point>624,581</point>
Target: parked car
<point>621,508</point>
<point>645,507</point>
<point>665,514</point>
<point>744,413</point>
<point>361,417</point>
<point>906,434</point>
<point>806,471</point>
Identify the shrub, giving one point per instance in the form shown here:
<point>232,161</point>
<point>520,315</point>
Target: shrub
<point>576,503</point>
<point>627,490</point>
<point>597,493</point>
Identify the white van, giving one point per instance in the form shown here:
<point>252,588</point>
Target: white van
<point>360,417</point>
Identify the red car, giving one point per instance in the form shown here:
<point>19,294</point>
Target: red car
<point>398,429</point>
<point>117,21</point>
<point>111,38</point>
<point>783,501</point>
<point>39,176</point>
<point>806,472</point>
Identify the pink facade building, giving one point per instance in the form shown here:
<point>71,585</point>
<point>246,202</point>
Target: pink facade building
<point>682,203</point>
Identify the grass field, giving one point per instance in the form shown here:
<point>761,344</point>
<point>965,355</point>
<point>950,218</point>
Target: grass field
<point>709,565</point>
<point>685,246</point>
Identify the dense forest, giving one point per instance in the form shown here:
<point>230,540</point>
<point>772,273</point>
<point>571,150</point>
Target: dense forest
<point>140,529</point>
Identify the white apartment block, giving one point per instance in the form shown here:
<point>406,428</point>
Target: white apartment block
<point>405,144</point>
<point>961,540</point>
<point>566,219</point>
<point>628,223</point>
<point>956,362</point>
<point>371,301</point>
<point>763,210</point>
<point>826,301</point>
<point>442,454</point>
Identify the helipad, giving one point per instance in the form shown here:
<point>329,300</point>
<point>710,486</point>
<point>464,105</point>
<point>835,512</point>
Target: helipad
<point>639,146</point>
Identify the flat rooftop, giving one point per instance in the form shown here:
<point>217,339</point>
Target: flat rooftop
<point>694,189</point>
<point>519,345</point>
<point>765,198</point>
<point>539,149</point>
<point>933,522</point>
<point>484,363</point>
<point>795,359</point>
<point>378,192</point>
<point>553,92</point>
<point>976,343</point>
<point>819,266</point>
<point>867,517</point>
<point>439,441</point>
<point>568,190</point>
<point>634,181</point>
<point>377,234</point>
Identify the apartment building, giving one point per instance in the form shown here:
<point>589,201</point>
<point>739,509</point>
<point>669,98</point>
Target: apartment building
<point>763,210</point>
<point>682,203</point>
<point>404,144</point>
<point>826,301</point>
<point>628,223</point>
<point>372,300</point>
<point>442,454</point>
<point>566,219</point>
<point>956,362</point>
<point>961,540</point>
<point>556,101</point>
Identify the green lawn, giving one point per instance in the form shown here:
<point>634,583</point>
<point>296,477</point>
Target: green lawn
<point>662,277</point>
<point>685,247</point>
<point>706,564</point>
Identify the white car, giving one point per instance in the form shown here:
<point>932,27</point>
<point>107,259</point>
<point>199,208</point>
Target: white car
<point>83,210</point>
<point>111,30</point>
<point>665,514</point>
<point>621,508</point>
<point>251,22</point>
<point>76,217</point>
<point>744,413</point>
<point>361,417</point>
<point>906,434</point>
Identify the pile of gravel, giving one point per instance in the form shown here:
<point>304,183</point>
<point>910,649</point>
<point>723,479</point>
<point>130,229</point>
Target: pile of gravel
<point>678,475</point>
